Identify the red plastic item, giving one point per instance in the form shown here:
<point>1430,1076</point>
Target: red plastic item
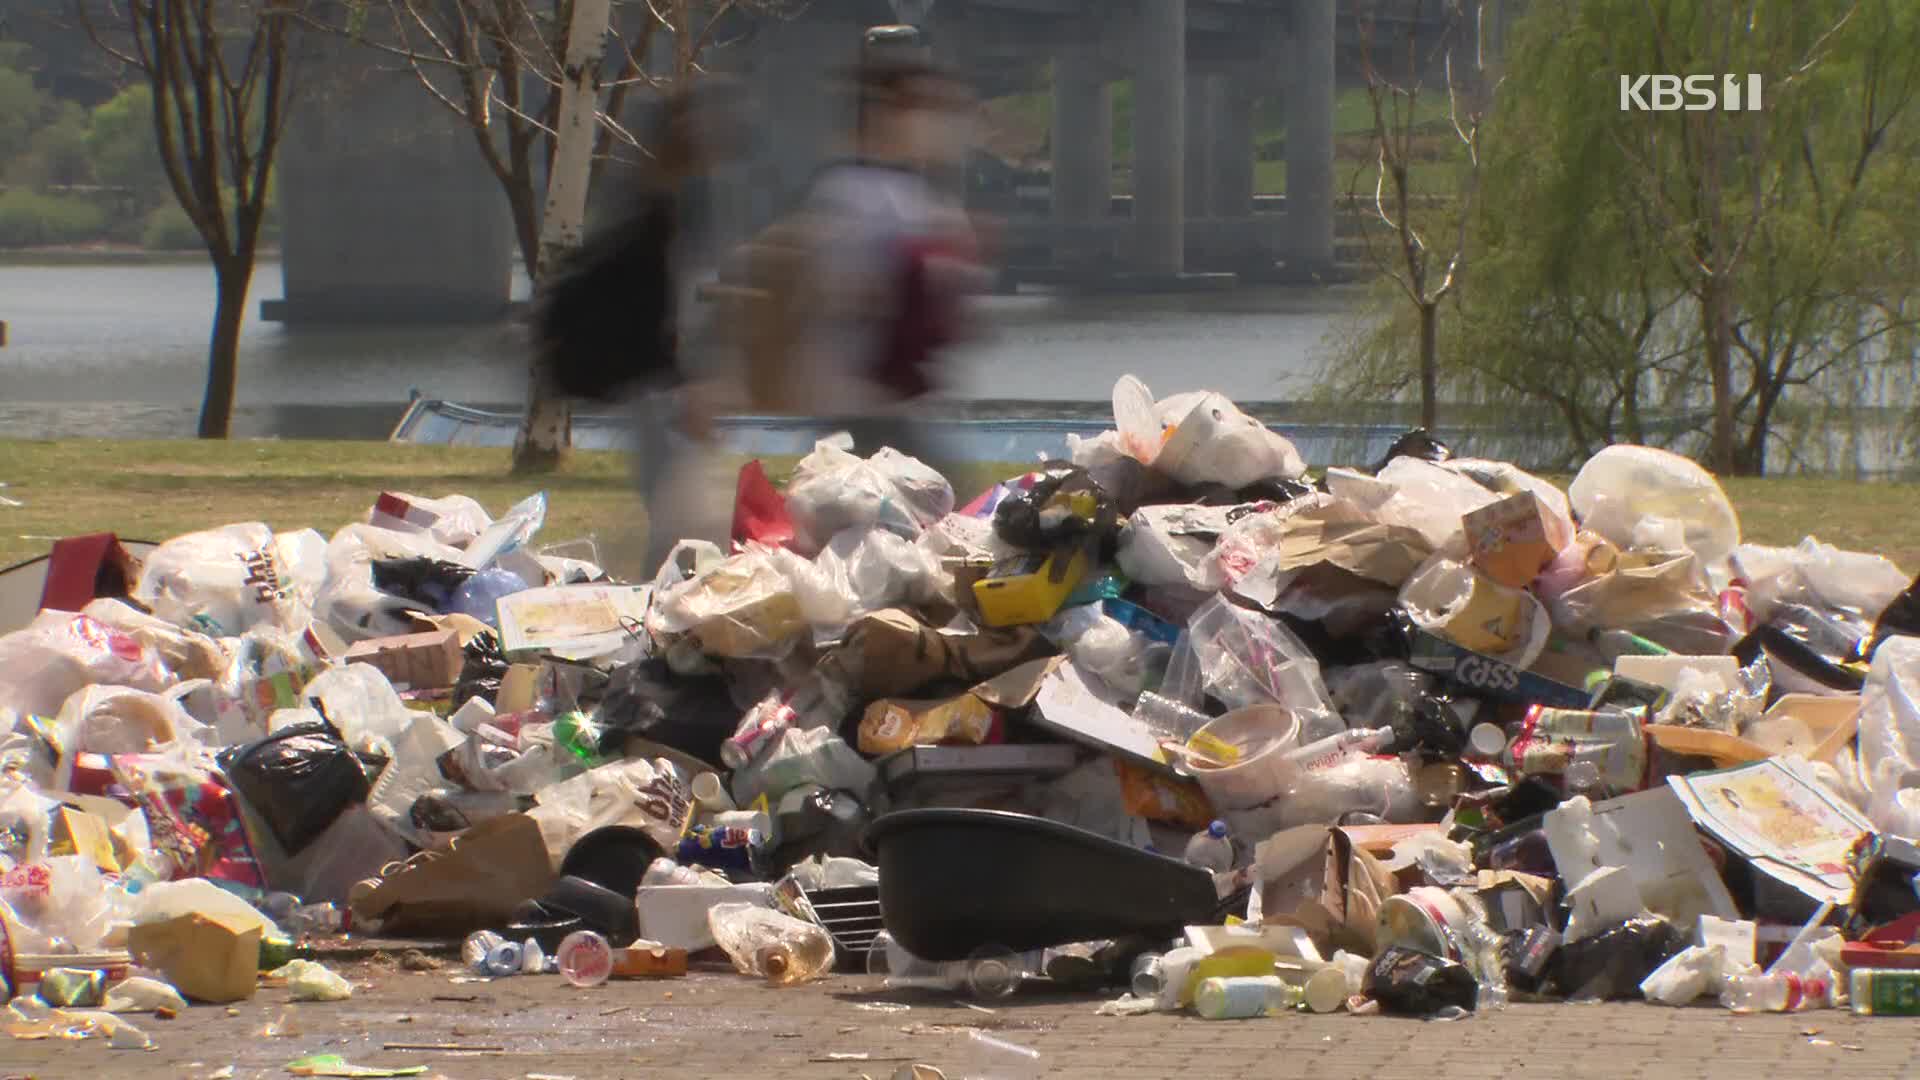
<point>82,569</point>
<point>1895,945</point>
<point>759,510</point>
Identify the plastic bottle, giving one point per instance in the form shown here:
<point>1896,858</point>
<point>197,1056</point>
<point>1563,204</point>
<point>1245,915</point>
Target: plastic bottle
<point>1211,849</point>
<point>1361,740</point>
<point>1885,992</point>
<point>779,947</point>
<point>478,946</point>
<point>578,735</point>
<point>1782,992</point>
<point>1240,998</point>
<point>1167,718</point>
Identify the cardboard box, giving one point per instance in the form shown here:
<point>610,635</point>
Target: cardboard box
<point>1508,539</point>
<point>414,661</point>
<point>211,958</point>
<point>1330,881</point>
<point>1487,677</point>
<point>1028,589</point>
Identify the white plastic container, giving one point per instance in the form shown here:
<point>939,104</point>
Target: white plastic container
<point>676,915</point>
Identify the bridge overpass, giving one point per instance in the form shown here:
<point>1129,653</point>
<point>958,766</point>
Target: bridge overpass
<point>388,214</point>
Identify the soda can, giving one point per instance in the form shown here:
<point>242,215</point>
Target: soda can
<point>1148,975</point>
<point>72,988</point>
<point>729,848</point>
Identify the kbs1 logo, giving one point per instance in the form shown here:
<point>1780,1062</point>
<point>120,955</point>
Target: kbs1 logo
<point>1693,93</point>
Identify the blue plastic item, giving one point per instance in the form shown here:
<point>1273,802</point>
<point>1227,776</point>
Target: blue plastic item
<point>480,595</point>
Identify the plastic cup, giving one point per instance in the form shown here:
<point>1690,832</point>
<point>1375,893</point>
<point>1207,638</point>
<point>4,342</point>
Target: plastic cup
<point>585,958</point>
<point>1487,740</point>
<point>711,794</point>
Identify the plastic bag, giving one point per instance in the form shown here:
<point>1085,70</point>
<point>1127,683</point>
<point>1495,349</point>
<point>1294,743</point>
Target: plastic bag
<point>185,653</point>
<point>361,705</point>
<point>1889,737</point>
<point>1505,479</point>
<point>299,779</point>
<point>59,654</point>
<point>120,720</point>
<point>1216,442</point>
<point>1126,660</point>
<point>759,510</point>
<point>1816,575</point>
<point>1165,545</point>
<point>1062,506</point>
<point>741,608</point>
<point>226,581</point>
<point>832,489</point>
<point>60,905</point>
<point>1349,783</point>
<point>1612,964</point>
<point>1656,594</point>
<point>1633,494</point>
<point>1699,701</point>
<point>427,582</point>
<point>1415,494</point>
<point>1246,658</point>
<point>23,823</point>
<point>348,603</point>
<point>800,758</point>
<point>308,981</point>
<point>141,995</point>
<point>1395,695</point>
<point>861,570</point>
<point>691,714</point>
<point>1689,974</point>
<point>452,520</point>
<point>650,795</point>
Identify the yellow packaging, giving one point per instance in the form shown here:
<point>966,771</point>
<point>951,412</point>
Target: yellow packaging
<point>1509,539</point>
<point>891,725</point>
<point>1162,798</point>
<point>1021,591</point>
<point>76,832</point>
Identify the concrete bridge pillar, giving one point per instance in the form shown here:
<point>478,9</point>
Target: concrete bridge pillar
<point>393,219</point>
<point>1081,140</point>
<point>1309,99</point>
<point>1205,92</point>
<point>1159,137</point>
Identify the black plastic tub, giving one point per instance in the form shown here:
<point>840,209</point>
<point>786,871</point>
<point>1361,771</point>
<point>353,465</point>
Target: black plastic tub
<point>953,881</point>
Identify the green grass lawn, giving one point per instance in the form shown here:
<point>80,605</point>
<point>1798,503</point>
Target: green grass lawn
<point>156,490</point>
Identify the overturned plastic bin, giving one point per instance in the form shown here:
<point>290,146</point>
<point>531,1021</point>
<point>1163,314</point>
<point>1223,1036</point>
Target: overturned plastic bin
<point>954,881</point>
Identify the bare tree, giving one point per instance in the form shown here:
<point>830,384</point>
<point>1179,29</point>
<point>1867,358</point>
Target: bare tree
<point>503,67</point>
<point>222,75</point>
<point>1408,217</point>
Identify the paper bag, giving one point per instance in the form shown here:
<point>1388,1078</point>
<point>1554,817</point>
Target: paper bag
<point>892,653</point>
<point>211,958</point>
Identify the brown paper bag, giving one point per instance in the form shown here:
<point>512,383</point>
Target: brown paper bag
<point>211,958</point>
<point>485,874</point>
<point>891,653</point>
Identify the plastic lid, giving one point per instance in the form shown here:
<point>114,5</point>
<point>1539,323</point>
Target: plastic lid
<point>1487,740</point>
<point>1217,829</point>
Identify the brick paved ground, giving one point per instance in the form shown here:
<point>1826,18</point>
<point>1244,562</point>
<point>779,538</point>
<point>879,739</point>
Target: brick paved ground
<point>719,1025</point>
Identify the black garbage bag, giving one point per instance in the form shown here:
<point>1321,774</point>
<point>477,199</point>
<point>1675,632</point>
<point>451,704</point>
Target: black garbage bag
<point>425,581</point>
<point>1821,646</point>
<point>1393,694</point>
<point>485,665</point>
<point>1065,507</point>
<point>1884,874</point>
<point>647,700</point>
<point>1610,965</point>
<point>298,779</point>
<point>1409,982</point>
<point>1527,954</point>
<point>1901,618</point>
<point>1418,443</point>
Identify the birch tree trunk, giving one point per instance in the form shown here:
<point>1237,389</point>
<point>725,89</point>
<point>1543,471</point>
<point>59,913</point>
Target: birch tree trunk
<point>546,431</point>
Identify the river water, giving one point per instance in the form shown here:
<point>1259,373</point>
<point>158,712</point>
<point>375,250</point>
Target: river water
<point>119,351</point>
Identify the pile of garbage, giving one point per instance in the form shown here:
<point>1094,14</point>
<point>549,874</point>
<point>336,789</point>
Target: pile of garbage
<point>1167,715</point>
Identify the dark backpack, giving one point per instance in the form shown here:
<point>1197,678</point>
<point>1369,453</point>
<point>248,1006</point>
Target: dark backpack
<point>604,318</point>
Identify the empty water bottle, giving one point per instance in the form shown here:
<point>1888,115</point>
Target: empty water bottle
<point>1779,992</point>
<point>1211,849</point>
<point>782,949</point>
<point>1245,996</point>
<point>478,947</point>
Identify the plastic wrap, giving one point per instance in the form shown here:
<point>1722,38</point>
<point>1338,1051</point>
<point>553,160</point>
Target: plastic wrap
<point>60,905</point>
<point>1246,658</point>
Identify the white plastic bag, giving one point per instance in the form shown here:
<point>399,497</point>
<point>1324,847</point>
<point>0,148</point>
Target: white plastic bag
<point>361,704</point>
<point>414,771</point>
<point>1418,495</point>
<point>121,720</point>
<point>1504,479</point>
<point>1166,545</point>
<point>347,602</point>
<point>143,995</point>
<point>1817,575</point>
<point>264,654</point>
<point>60,905</point>
<point>60,653</point>
<point>1214,442</point>
<point>833,489</point>
<point>1889,738</point>
<point>1246,658</point>
<point>226,581</point>
<point>651,795</point>
<point>743,607</point>
<point>1633,494</point>
<point>308,981</point>
<point>453,520</point>
<point>1685,976</point>
<point>172,899</point>
<point>799,758</point>
<point>189,655</point>
<point>861,570</point>
<point>1105,648</point>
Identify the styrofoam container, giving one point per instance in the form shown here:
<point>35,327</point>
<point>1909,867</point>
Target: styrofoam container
<point>676,915</point>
